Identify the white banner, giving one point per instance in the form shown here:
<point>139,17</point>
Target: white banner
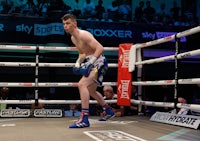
<point>175,119</point>
<point>15,113</point>
<point>48,113</point>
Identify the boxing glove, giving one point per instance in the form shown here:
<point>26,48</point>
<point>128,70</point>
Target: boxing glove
<point>76,70</point>
<point>85,69</point>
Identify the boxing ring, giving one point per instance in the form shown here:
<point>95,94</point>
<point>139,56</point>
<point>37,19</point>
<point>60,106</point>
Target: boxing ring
<point>133,128</point>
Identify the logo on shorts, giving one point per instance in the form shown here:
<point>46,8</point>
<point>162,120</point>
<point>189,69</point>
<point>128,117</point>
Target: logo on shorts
<point>111,135</point>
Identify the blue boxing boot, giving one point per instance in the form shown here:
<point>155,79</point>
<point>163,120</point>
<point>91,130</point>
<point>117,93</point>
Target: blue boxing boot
<point>107,113</point>
<point>83,121</point>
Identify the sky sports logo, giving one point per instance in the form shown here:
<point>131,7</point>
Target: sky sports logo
<point>48,29</point>
<point>159,35</point>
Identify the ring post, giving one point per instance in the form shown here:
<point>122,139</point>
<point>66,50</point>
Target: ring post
<point>124,76</point>
<point>36,74</point>
<point>139,78</point>
<point>176,85</point>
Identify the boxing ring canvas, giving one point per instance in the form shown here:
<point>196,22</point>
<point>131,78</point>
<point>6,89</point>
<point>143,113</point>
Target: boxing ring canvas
<point>130,128</point>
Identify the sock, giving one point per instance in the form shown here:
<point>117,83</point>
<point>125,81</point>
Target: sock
<point>106,106</point>
<point>85,111</point>
<point>84,115</point>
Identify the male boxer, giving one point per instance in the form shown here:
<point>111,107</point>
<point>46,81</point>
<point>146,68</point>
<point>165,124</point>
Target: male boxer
<point>92,65</point>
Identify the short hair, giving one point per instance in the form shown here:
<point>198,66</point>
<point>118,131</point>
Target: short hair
<point>108,87</point>
<point>182,100</point>
<point>68,16</point>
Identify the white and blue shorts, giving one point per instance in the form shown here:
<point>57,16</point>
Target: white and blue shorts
<point>100,68</point>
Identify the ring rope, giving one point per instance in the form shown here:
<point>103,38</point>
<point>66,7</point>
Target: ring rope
<point>168,38</point>
<point>139,102</point>
<point>134,48</point>
<point>171,57</point>
<point>150,61</point>
<point>29,64</point>
<point>47,84</point>
<point>167,82</point>
<point>48,48</point>
<point>74,84</point>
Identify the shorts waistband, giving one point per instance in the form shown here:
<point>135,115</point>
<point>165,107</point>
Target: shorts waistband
<point>88,57</point>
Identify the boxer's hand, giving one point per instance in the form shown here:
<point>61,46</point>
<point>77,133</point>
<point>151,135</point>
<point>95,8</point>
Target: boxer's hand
<point>76,68</point>
<point>78,62</point>
<point>86,68</point>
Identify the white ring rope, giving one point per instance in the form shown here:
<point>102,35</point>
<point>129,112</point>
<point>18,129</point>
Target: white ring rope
<point>133,54</point>
<point>150,61</point>
<point>167,82</point>
<point>29,64</point>
<point>46,84</point>
<point>74,84</point>
<point>48,48</point>
<point>171,57</point>
<point>169,38</point>
<point>139,102</point>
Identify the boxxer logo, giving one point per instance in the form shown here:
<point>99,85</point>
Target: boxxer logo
<point>111,33</point>
<point>24,28</point>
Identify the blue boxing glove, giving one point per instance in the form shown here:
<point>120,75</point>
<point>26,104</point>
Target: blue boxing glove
<point>76,68</point>
<point>86,67</point>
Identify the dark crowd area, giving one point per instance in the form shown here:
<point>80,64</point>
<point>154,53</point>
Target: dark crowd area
<point>172,12</point>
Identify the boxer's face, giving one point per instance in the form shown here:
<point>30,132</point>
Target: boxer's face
<point>4,90</point>
<point>69,25</point>
<point>108,93</point>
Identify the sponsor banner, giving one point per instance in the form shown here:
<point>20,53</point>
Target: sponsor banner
<point>43,30</point>
<point>15,113</point>
<point>124,76</point>
<point>48,113</point>
<point>154,35</point>
<point>175,119</point>
<point>48,29</point>
<point>166,34</point>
